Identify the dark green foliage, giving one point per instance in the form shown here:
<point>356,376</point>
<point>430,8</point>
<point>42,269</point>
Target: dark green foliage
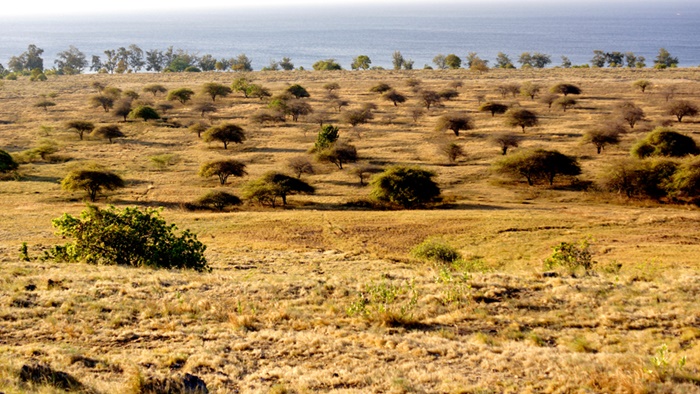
<point>7,163</point>
<point>380,88</point>
<point>109,132</point>
<point>298,91</point>
<point>272,185</point>
<point>494,108</point>
<point>453,61</point>
<point>219,200</point>
<point>327,136</point>
<point>436,250</point>
<point>664,141</point>
<point>326,65</point>
<point>223,169</point>
<point>565,89</point>
<point>640,178</point>
<point>144,112</point>
<point>130,237</point>
<point>91,181</point>
<point>182,95</point>
<point>408,187</point>
<point>225,133</point>
<point>538,165</point>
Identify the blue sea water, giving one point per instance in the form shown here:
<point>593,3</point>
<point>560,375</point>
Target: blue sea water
<point>420,32</point>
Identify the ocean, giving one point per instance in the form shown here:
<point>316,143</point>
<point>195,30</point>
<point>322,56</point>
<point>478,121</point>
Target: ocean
<point>419,32</point>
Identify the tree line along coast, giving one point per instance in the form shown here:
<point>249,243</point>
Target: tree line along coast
<point>134,59</point>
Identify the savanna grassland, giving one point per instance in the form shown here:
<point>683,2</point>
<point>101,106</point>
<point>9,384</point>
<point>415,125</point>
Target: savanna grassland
<point>323,295</point>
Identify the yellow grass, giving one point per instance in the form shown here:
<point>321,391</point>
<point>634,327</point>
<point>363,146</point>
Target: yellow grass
<point>276,313</point>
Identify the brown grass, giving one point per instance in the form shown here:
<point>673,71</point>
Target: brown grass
<point>275,314</point>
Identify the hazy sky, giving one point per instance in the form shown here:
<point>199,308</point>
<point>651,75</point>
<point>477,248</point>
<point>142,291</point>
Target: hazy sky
<point>83,7</point>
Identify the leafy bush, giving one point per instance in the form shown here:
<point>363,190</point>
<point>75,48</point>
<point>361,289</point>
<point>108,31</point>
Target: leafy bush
<point>219,200</point>
<point>386,303</point>
<point>538,165</point>
<point>571,256</point>
<point>130,237</point>
<point>408,187</point>
<point>436,250</point>
<point>640,178</point>
<point>664,141</point>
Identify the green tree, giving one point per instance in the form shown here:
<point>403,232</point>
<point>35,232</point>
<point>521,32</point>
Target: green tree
<point>453,61</point>
<point>154,89</point>
<point>326,137</point>
<point>326,65</point>
<point>71,61</point>
<point>286,64</point>
<point>503,61</point>
<point>45,104</point>
<point>215,90</point>
<point>565,89</point>
<point>338,153</point>
<point>538,165</point>
<point>397,60</point>
<point>183,95</point>
<point>219,200</point>
<point>80,127</point>
<point>665,60</point>
<point>494,108</point>
<point>565,103</point>
<point>7,163</point>
<point>331,86</point>
<point>225,133</point>
<point>110,132</point>
<point>361,62</point>
<point>520,117</point>
<point>630,113</point>
<point>144,112</point>
<point>122,108</point>
<point>440,61</point>
<point>686,180</point>
<point>395,97</point>
<point>505,141</point>
<point>105,102</point>
<point>298,91</point>
<point>664,141</point>
<point>130,237</point>
<point>241,63</point>
<point>222,169</point>
<point>530,89</point>
<point>258,91</point>
<point>29,60</point>
<point>601,137</point>
<point>380,88</point>
<point>408,187</point>
<point>241,85</point>
<point>272,185</point>
<point>92,181</point>
<point>681,109</point>
<point>639,178</point>
<point>642,85</point>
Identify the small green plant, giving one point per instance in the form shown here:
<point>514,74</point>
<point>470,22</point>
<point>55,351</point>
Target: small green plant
<point>164,160</point>
<point>663,365</point>
<point>131,237</point>
<point>571,256</point>
<point>386,303</point>
<point>437,251</point>
<point>24,252</point>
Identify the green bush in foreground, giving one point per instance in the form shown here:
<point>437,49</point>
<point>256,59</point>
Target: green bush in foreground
<point>436,250</point>
<point>131,237</point>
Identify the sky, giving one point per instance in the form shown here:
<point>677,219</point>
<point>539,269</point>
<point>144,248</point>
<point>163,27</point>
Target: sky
<point>43,8</point>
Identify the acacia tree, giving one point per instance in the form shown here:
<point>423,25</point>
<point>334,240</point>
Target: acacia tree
<point>204,107</point>
<point>298,91</point>
<point>642,85</point>
<point>223,169</point>
<point>110,132</point>
<point>272,185</point>
<point>395,97</point>
<point>92,181</point>
<point>453,61</point>
<point>357,116</point>
<point>45,104</point>
<point>520,117</point>
<point>80,127</point>
<point>144,112</point>
<point>301,165</point>
<point>494,108</point>
<point>338,153</point>
<point>408,187</point>
<point>565,103</point>
<point>602,137</point>
<point>380,88</point>
<point>565,89</point>
<point>681,109</point>
<point>530,89</point>
<point>505,141</point>
<point>298,107</point>
<point>183,95</point>
<point>219,200</point>
<point>122,108</point>
<point>455,122</point>
<point>215,90</point>
<point>7,163</point>
<point>429,98</point>
<point>155,89</point>
<point>630,112</point>
<point>538,164</point>
<point>225,133</point>
<point>362,171</point>
<point>106,102</point>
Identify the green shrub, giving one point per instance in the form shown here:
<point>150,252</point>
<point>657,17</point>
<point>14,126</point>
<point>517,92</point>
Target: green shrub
<point>386,303</point>
<point>408,187</point>
<point>664,141</point>
<point>131,237</point>
<point>571,256</point>
<point>436,250</point>
<point>219,200</point>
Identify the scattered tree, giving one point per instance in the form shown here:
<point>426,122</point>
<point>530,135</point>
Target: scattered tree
<point>665,60</point>
<point>601,137</point>
<point>503,61</point>
<point>448,94</point>
<point>452,151</point>
<point>223,169</point>
<point>71,61</point>
<point>529,89</point>
<point>225,133</point>
<point>219,200</point>
<point>338,153</point>
<point>429,98</point>
<point>80,127</point>
<point>272,185</point>
<point>538,165</point>
<point>105,102</point>
<point>455,122</point>
<point>642,85</point>
<point>494,108</point>
<point>505,141</point>
<point>92,181</point>
<point>380,88</point>
<point>301,165</point>
<point>298,91</point>
<point>361,62</point>
<point>144,112</point>
<point>681,109</point>
<point>331,86</point>
<point>395,97</point>
<point>521,118</point>
<point>326,137</point>
<point>549,99</point>
<point>408,187</point>
<point>183,95</point>
<point>298,107</point>
<point>639,178</point>
<point>215,90</point>
<point>204,107</point>
<point>122,108</point>
<point>440,61</point>
<point>7,163</point>
<point>630,112</point>
<point>154,89</point>
<point>109,132</point>
<point>357,116</point>
<point>45,104</point>
<point>565,89</point>
<point>362,171</point>
<point>565,103</point>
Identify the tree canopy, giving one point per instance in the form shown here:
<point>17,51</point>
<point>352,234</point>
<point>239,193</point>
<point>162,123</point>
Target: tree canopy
<point>225,133</point>
<point>222,169</point>
<point>408,187</point>
<point>538,165</point>
<point>92,181</point>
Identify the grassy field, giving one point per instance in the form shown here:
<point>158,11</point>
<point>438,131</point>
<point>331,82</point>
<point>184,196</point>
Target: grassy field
<point>320,296</point>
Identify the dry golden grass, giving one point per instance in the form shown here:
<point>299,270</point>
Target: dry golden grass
<point>278,311</point>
